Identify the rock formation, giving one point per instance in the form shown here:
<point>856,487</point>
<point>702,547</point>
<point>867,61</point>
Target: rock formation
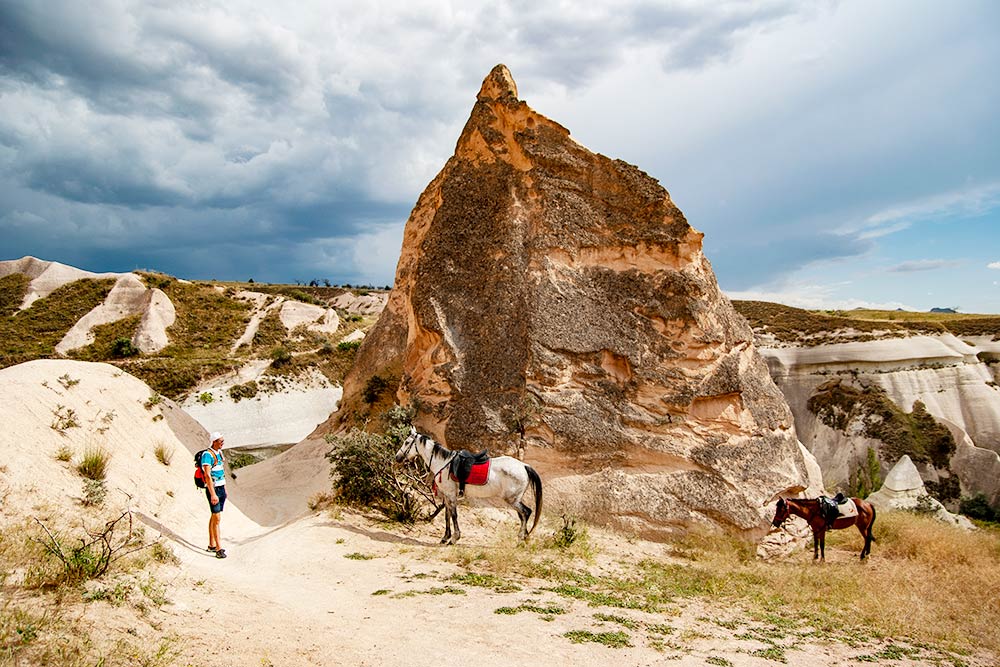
<point>904,490</point>
<point>128,297</point>
<point>954,379</point>
<point>548,290</point>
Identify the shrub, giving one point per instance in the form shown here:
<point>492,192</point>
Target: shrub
<point>348,345</point>
<point>94,492</point>
<point>373,388</point>
<point>246,390</point>
<point>241,460</point>
<point>94,464</point>
<point>205,397</point>
<point>64,453</point>
<point>64,418</point>
<point>977,507</point>
<point>123,347</point>
<point>363,476</point>
<point>280,357</point>
<point>97,549</point>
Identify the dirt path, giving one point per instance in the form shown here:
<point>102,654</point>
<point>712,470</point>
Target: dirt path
<point>347,591</point>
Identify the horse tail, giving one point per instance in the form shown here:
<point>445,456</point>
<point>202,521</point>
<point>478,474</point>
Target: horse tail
<point>871,526</point>
<point>536,484</point>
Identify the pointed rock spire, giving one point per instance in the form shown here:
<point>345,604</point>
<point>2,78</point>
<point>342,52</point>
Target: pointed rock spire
<point>498,85</point>
<point>554,303</point>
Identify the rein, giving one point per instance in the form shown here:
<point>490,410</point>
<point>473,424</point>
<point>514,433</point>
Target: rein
<point>435,475</point>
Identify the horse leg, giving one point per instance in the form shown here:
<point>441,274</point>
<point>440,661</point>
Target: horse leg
<point>815,544</point>
<point>822,545</point>
<point>454,520</point>
<point>447,521</point>
<point>523,513</point>
<point>866,532</point>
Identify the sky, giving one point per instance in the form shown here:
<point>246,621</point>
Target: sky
<point>835,154</point>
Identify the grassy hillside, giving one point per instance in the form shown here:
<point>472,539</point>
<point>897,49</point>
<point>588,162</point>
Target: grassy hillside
<point>210,318</point>
<point>795,325</point>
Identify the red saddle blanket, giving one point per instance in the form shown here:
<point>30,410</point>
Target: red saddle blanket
<point>478,476</point>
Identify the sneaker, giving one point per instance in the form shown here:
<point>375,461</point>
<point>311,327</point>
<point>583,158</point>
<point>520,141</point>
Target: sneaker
<point>220,553</point>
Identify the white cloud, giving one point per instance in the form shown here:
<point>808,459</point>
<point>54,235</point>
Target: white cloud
<point>923,265</point>
<point>967,201</point>
<point>815,297</point>
<point>993,265</point>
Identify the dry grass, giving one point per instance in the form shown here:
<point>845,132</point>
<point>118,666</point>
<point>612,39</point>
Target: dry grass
<point>94,464</point>
<point>795,325</point>
<point>926,583</point>
<point>43,618</point>
<point>163,453</point>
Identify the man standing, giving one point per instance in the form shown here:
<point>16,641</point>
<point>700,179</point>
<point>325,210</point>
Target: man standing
<point>212,470</point>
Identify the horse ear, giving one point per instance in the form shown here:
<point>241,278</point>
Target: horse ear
<point>781,502</point>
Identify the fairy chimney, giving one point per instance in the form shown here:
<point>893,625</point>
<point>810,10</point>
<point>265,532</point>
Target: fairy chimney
<point>549,292</point>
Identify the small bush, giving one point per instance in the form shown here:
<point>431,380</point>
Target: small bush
<point>94,464</point>
<point>280,357</point>
<point>154,399</point>
<point>64,418</point>
<point>205,397</point>
<point>348,345</point>
<point>373,388</point>
<point>242,460</point>
<point>123,347</point>
<point>364,476</point>
<point>246,390</point>
<point>89,556</point>
<point>977,507</point>
<point>64,453</point>
<point>94,492</point>
<point>568,534</point>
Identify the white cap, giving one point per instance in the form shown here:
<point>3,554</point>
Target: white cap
<point>215,436</point>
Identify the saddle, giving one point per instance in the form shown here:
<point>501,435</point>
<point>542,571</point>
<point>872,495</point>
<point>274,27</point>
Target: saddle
<point>461,467</point>
<point>837,507</point>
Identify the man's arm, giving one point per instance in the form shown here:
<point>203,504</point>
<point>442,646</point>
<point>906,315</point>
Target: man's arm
<point>206,472</point>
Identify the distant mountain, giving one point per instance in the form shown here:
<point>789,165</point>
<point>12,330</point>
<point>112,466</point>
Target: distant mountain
<point>943,310</point>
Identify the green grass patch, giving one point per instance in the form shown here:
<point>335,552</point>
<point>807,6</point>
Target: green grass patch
<point>609,639</point>
<point>271,332</point>
<point>35,332</point>
<point>94,464</point>
<point>106,346</point>
<point>620,620</point>
<point>490,581</point>
<point>13,288</point>
<point>358,556</point>
<point>542,610</point>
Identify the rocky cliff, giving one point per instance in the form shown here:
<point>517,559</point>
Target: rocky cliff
<point>855,386</point>
<point>548,292</point>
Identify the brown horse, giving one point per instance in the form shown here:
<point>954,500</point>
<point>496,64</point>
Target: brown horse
<point>809,509</point>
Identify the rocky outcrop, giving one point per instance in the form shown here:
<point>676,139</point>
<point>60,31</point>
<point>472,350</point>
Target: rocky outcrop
<point>545,288</point>
<point>904,490</point>
<point>363,304</point>
<point>954,380</point>
<point>128,297</point>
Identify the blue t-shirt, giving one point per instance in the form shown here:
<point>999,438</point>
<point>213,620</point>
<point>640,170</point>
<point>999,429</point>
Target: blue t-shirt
<point>218,472</point>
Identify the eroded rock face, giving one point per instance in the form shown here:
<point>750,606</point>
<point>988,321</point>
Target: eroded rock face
<point>534,271</point>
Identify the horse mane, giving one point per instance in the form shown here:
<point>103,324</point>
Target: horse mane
<point>439,450</point>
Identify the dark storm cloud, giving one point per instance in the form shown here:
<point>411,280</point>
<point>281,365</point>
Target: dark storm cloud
<point>244,136</point>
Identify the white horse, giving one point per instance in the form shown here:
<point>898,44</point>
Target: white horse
<point>508,478</point>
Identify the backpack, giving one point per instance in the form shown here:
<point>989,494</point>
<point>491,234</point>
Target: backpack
<point>199,477</point>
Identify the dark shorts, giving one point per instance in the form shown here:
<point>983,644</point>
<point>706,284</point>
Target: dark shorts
<point>220,492</point>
